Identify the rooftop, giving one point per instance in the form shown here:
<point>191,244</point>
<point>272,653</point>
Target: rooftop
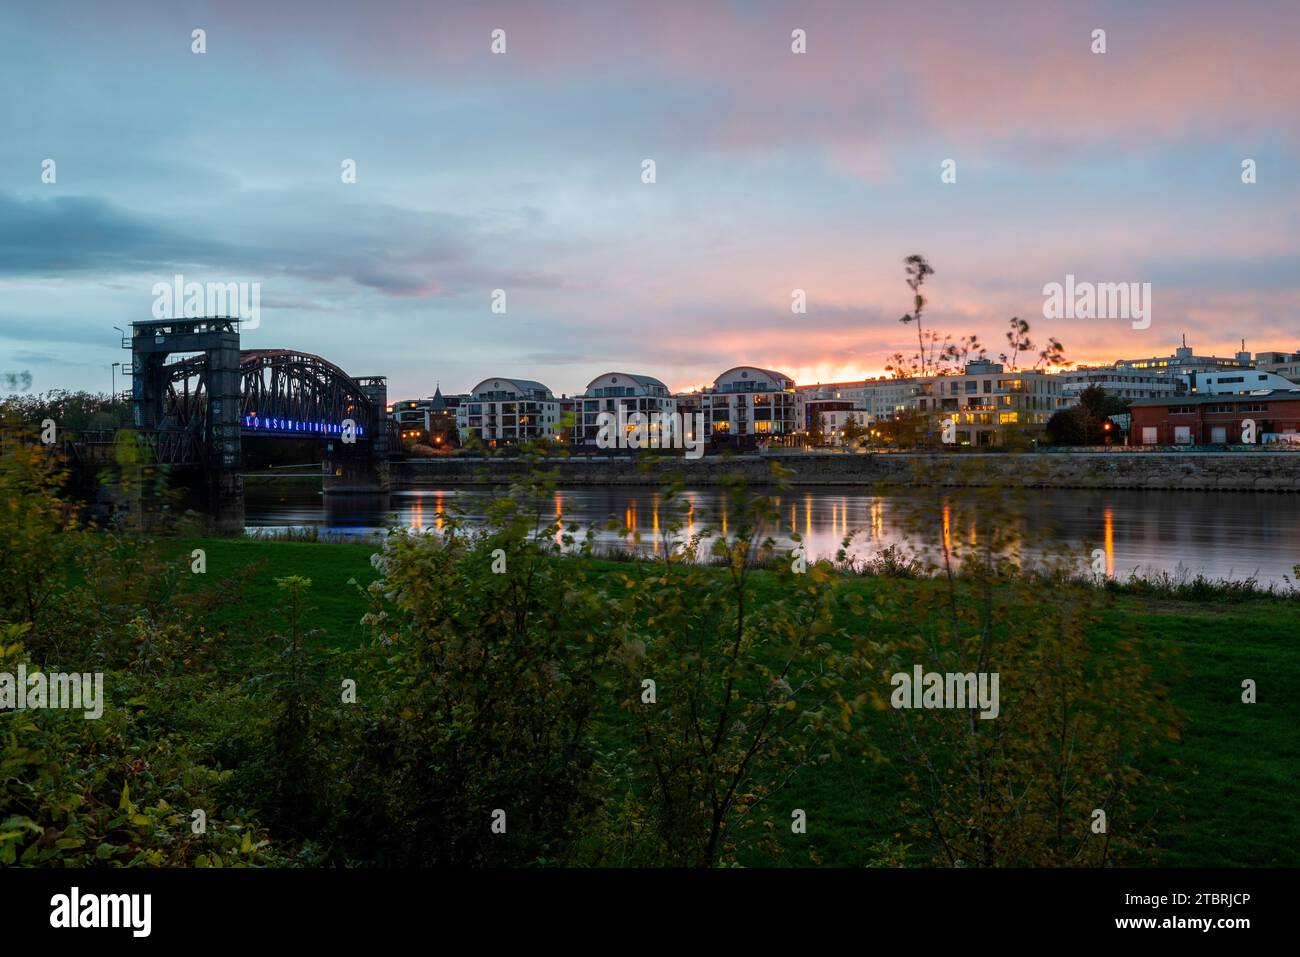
<point>1209,399</point>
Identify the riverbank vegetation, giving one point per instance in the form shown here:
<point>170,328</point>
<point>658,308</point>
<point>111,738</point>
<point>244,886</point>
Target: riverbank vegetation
<point>506,696</point>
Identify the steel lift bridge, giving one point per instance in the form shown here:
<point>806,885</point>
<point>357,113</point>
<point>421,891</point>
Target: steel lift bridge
<point>195,395</point>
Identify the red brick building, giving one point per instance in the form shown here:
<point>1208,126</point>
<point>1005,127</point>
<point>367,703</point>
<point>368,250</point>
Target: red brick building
<point>1216,419</point>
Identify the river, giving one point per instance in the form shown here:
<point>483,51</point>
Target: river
<point>1221,535</point>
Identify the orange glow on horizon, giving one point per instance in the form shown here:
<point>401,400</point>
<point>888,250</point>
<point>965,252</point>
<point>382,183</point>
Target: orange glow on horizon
<point>829,371</point>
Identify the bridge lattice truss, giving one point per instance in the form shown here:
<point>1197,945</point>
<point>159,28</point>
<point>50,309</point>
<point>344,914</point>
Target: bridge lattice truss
<point>283,393</point>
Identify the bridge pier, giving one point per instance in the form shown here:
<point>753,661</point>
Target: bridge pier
<point>353,468</point>
<point>361,466</point>
<point>225,410</point>
<point>226,502</point>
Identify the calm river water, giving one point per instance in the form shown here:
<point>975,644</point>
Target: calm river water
<point>1223,535</point>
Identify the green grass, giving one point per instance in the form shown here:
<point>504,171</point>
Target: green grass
<point>1239,763</point>
<point>334,606</point>
<point>1236,763</point>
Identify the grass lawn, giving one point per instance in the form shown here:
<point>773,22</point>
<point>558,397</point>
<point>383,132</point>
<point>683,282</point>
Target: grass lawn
<point>334,606</point>
<point>1237,763</point>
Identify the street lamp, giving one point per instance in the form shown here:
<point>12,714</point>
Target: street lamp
<point>113,394</point>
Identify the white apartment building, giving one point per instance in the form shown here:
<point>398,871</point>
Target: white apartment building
<point>985,402</point>
<point>746,403</point>
<point>614,391</point>
<point>503,411</point>
<point>1121,381</point>
<point>1235,382</point>
<point>833,417</point>
<point>877,398</point>
<point>1185,360</point>
<point>1185,373</point>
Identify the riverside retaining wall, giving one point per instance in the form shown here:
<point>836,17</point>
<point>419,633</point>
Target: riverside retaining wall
<point>1254,470</point>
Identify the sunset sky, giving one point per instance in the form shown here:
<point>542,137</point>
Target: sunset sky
<point>522,171</point>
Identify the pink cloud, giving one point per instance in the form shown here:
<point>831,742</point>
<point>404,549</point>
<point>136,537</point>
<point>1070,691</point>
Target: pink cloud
<point>961,70</point>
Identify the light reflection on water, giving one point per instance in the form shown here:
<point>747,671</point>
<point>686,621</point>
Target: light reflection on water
<point>1218,534</point>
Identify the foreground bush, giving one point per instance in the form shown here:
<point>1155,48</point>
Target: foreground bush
<point>520,705</point>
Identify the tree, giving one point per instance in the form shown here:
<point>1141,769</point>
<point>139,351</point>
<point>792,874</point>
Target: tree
<point>1085,423</point>
<point>1078,712</point>
<point>817,434</point>
<point>486,685</point>
<point>568,422</point>
<point>935,353</point>
<point>1018,341</point>
<point>72,411</point>
<point>116,790</point>
<point>852,430</point>
<point>943,356</point>
<point>36,535</point>
<point>730,698</point>
<point>918,270</point>
<point>903,429</point>
<point>1068,427</point>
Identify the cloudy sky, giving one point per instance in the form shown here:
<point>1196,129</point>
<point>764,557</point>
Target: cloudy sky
<point>774,171</point>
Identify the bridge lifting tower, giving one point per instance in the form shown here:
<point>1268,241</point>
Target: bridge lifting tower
<point>211,439</point>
